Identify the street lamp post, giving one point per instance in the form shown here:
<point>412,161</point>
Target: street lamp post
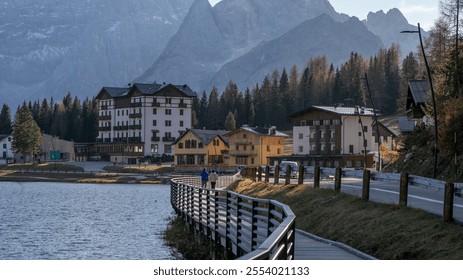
<point>376,120</point>
<point>433,97</point>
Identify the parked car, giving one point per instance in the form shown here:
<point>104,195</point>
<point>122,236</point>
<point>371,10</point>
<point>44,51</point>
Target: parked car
<point>294,168</point>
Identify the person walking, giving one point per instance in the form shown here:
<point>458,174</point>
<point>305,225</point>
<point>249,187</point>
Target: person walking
<point>204,178</point>
<point>213,179</point>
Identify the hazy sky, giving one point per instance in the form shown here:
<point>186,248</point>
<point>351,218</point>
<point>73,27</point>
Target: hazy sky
<point>416,11</point>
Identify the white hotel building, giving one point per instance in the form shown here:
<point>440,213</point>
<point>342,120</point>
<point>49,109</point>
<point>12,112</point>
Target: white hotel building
<point>142,120</point>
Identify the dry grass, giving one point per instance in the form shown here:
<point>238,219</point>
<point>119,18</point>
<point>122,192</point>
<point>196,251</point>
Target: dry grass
<point>384,231</point>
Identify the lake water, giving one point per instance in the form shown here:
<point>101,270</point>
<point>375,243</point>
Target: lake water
<point>57,221</point>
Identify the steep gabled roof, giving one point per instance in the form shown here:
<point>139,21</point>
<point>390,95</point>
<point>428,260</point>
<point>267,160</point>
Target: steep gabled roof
<point>260,131</point>
<point>185,89</point>
<point>147,89</point>
<point>144,89</point>
<point>418,92</point>
<point>206,136</point>
<point>113,92</point>
<point>339,110</point>
<point>4,136</point>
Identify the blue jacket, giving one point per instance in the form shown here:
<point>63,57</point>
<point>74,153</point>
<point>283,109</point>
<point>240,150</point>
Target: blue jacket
<point>204,176</point>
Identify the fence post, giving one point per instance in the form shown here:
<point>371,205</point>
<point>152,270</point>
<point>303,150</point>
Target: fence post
<point>259,173</point>
<point>448,202</point>
<point>267,173</point>
<point>277,174</point>
<point>288,175</point>
<point>300,179</point>
<point>316,177</point>
<point>366,184</point>
<point>403,197</point>
<point>337,179</point>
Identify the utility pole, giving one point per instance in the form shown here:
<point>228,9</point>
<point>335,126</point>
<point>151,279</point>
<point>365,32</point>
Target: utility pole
<point>377,123</point>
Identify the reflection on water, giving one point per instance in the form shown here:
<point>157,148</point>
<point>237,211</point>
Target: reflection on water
<point>83,221</point>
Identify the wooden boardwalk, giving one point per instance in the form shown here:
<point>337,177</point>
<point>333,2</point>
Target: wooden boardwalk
<point>311,247</point>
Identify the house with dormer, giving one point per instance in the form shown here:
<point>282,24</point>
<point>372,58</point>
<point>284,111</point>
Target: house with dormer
<point>336,136</point>
<point>142,120</point>
<point>253,146</point>
<point>201,147</point>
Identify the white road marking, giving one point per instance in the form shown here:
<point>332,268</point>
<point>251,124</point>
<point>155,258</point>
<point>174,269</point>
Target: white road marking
<point>412,196</point>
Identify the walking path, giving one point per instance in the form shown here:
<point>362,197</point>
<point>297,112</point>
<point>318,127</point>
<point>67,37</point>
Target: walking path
<point>312,247</point>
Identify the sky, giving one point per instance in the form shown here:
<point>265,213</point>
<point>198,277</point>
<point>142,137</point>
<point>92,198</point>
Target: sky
<point>424,12</point>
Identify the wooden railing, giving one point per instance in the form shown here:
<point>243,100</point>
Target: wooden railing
<point>248,227</point>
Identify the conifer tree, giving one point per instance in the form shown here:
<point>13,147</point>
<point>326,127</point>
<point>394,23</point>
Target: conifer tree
<point>5,120</point>
<point>27,137</point>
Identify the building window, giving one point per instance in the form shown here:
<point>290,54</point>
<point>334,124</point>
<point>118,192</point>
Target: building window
<point>337,122</point>
<point>168,123</point>
<point>181,112</point>
<point>365,128</point>
<point>303,123</point>
<point>301,149</point>
<point>187,144</point>
<point>167,148</point>
<point>155,123</point>
<point>154,148</point>
<point>351,149</point>
<point>268,148</point>
<point>168,100</point>
<point>181,123</point>
<point>193,144</point>
<point>322,147</point>
<point>200,145</point>
<point>301,136</point>
<point>168,112</point>
<point>316,122</point>
<point>155,111</point>
<point>244,136</point>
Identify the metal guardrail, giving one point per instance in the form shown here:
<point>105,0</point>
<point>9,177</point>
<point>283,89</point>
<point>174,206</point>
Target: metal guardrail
<point>250,228</point>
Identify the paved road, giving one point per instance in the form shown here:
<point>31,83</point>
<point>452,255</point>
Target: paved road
<point>385,191</point>
<point>425,198</point>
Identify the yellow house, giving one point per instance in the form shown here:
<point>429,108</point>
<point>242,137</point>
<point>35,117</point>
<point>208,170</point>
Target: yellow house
<point>201,147</point>
<point>252,148</point>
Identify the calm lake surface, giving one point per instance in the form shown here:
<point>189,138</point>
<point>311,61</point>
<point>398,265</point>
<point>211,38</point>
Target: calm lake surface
<point>43,221</point>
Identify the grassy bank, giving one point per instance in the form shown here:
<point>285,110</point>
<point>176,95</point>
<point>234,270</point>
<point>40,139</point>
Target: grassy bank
<point>383,231</point>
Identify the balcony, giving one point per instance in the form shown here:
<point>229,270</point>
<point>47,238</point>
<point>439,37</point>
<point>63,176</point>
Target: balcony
<point>182,105</point>
<point>121,127</point>
<point>156,104</point>
<point>135,139</point>
<point>155,139</point>
<point>243,153</point>
<point>104,128</point>
<point>104,118</point>
<point>168,139</point>
<point>242,141</point>
<point>104,107</point>
<point>135,116</point>
<point>135,126</point>
<point>136,104</point>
